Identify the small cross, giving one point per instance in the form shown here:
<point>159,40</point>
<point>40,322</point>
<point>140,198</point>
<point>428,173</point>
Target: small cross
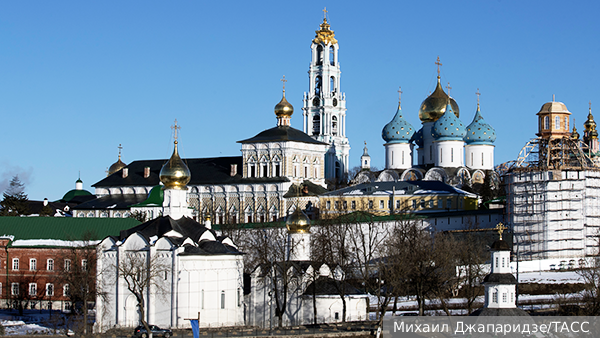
<point>399,95</point>
<point>324,13</point>
<point>365,143</point>
<point>175,128</point>
<point>120,150</point>
<point>438,63</point>
<point>500,228</point>
<point>284,81</point>
<point>590,105</point>
<point>478,94</point>
<point>448,88</point>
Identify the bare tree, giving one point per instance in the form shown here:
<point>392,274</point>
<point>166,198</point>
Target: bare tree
<point>142,273</point>
<point>24,290</point>
<point>470,272</point>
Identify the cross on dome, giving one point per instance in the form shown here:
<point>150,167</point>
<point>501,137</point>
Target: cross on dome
<point>175,128</point>
<point>448,88</point>
<point>399,95</point>
<point>120,150</point>
<point>438,63</point>
<point>324,13</point>
<point>283,80</point>
<point>478,94</point>
<point>500,228</point>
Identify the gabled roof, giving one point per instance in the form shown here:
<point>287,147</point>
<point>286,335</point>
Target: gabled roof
<point>62,228</point>
<point>115,202</point>
<point>213,170</point>
<point>187,228</point>
<point>328,286</point>
<point>281,133</point>
<point>400,187</point>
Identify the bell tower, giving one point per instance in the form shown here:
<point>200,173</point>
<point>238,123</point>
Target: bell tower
<point>324,104</point>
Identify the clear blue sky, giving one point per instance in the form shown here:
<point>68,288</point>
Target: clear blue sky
<point>79,77</point>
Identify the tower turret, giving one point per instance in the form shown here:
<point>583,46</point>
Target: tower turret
<point>365,159</point>
<point>175,175</point>
<point>397,134</point>
<point>324,105</point>
<point>479,139</point>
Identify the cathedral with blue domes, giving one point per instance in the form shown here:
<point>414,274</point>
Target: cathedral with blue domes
<point>446,149</point>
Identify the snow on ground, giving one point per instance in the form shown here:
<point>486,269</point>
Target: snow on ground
<point>550,277</point>
<point>32,322</point>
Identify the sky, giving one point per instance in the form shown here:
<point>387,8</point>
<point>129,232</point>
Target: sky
<point>79,78</point>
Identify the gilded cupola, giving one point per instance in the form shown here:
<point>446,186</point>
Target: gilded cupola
<point>117,165</point>
<point>434,106</point>
<point>175,174</point>
<point>325,35</point>
<point>575,134</point>
<point>590,125</point>
<point>298,222</point>
<point>283,110</point>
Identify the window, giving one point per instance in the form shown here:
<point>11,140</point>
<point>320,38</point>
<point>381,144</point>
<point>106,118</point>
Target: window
<point>370,204</point>
<point>440,203</point>
<point>496,261</point>
<point>277,173</point>
<point>50,265</point>
<point>318,86</point>
<point>504,297</point>
<point>15,264</point>
<point>495,297</point>
<point>14,289</point>
<point>397,204</point>
<point>546,122</point>
<point>331,56</point>
<point>223,299</point>
<point>512,297</point>
<point>556,122</point>
<point>337,205</point>
<point>449,203</point>
<point>66,290</point>
<point>32,264</point>
<point>345,204</point>
<point>67,265</point>
<point>431,204</point>
<point>337,316</point>
<point>84,264</point>
<point>381,204</point>
<point>566,123</point>
<point>503,261</point>
<point>332,84</point>
<point>316,125</point>
<point>319,55</point>
<point>334,124</point>
<point>414,204</point>
<point>452,155</point>
<point>328,205</point>
<point>422,204</point>
<point>32,289</point>
<point>353,204</point>
<point>49,289</point>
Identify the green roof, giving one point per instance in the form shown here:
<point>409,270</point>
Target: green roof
<point>155,198</point>
<point>74,193</point>
<point>63,228</point>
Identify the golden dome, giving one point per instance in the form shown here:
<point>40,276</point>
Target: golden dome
<point>434,106</point>
<point>117,165</point>
<point>325,35</point>
<point>284,108</point>
<point>297,222</point>
<point>175,174</point>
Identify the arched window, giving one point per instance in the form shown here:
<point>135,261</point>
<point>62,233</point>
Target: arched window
<point>332,85</point>
<point>334,125</point>
<point>317,124</point>
<point>319,55</point>
<point>331,55</point>
<point>337,170</point>
<point>546,122</point>
<point>557,122</point>
<point>318,84</point>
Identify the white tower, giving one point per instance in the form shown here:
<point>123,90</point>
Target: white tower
<point>500,283</point>
<point>325,104</point>
<point>298,245</point>
<point>397,134</point>
<point>480,137</point>
<point>175,176</point>
<point>365,159</point>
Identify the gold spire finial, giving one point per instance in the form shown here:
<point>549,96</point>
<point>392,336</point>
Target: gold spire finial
<point>590,105</point>
<point>438,63</point>
<point>120,150</point>
<point>283,80</point>
<point>500,228</point>
<point>365,143</point>
<point>324,13</point>
<point>448,88</point>
<point>175,128</point>
<point>478,94</point>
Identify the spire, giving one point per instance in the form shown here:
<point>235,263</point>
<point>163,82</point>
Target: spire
<point>283,110</point>
<point>478,94</point>
<point>399,97</point>
<point>365,150</point>
<point>325,35</point>
<point>438,63</point>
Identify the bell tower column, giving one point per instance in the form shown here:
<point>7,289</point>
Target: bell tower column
<point>324,105</point>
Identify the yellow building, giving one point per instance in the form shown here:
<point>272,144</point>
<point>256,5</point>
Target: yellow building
<point>384,198</point>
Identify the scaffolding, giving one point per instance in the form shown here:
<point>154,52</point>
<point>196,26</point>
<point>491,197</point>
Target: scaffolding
<point>547,196</point>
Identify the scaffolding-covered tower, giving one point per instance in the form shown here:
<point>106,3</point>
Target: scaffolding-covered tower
<point>553,189</point>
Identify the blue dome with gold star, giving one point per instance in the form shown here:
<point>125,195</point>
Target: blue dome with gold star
<point>448,127</point>
<point>479,132</point>
<point>398,130</point>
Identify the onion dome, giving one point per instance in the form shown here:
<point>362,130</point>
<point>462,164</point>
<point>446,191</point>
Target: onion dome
<point>417,138</point>
<point>398,130</point>
<point>284,108</point>
<point>434,106</point>
<point>575,134</point>
<point>298,222</point>
<point>479,132</point>
<point>117,165</point>
<point>175,174</point>
<point>590,125</point>
<point>448,127</point>
<point>325,35</point>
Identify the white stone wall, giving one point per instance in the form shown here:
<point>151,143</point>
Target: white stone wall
<point>398,156</point>
<point>479,156</point>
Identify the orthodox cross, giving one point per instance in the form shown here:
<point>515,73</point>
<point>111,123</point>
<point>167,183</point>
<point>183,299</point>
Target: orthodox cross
<point>284,81</point>
<point>399,95</point>
<point>120,150</point>
<point>175,128</point>
<point>448,88</point>
<point>590,105</point>
<point>478,94</point>
<point>500,228</point>
<point>324,13</point>
<point>438,63</point>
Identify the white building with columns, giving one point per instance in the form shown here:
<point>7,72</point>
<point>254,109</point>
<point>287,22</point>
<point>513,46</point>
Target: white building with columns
<point>325,104</point>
